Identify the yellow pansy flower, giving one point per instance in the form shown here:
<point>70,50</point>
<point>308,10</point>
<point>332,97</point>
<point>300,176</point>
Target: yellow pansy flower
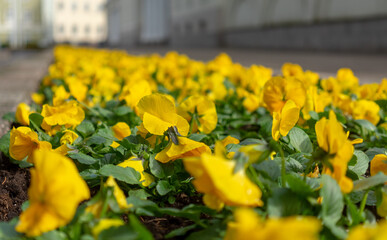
<point>119,195</point>
<point>38,98</point>
<point>378,164</point>
<point>369,232</point>
<point>346,79</point>
<point>292,70</point>
<point>279,89</point>
<point>334,141</point>
<point>68,114</point>
<point>22,114</point>
<point>248,225</point>
<point>104,224</point>
<point>214,176</point>
<point>185,148</point>
<point>365,109</point>
<point>55,192</point>
<point>77,89</point>
<point>68,137</point>
<point>284,120</point>
<point>121,130</point>
<point>133,92</point>
<point>229,140</point>
<point>135,163</point>
<point>315,101</point>
<point>60,95</point>
<point>23,141</point>
<point>158,113</point>
<point>251,102</point>
<point>205,110</point>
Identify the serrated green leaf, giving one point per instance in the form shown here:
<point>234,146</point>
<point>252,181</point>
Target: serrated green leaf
<point>370,182</point>
<point>128,174</point>
<point>332,200</point>
<point>300,140</point>
<point>83,158</point>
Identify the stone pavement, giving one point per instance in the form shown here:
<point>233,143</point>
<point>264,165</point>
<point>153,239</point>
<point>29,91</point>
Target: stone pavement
<point>20,75</point>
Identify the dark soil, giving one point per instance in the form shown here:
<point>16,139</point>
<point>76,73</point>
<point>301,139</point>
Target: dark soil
<point>161,226</point>
<point>14,182</point>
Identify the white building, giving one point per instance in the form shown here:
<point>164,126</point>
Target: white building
<point>79,21</point>
<point>21,23</point>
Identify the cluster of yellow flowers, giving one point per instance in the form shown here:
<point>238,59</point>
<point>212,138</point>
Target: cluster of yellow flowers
<point>81,80</point>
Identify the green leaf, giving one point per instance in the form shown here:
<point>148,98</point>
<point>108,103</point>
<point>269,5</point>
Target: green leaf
<point>118,233</point>
<point>300,140</point>
<point>83,158</point>
<point>197,136</point>
<point>284,202</point>
<point>36,120</point>
<point>353,213</point>
<point>298,185</point>
<point>374,151</point>
<point>370,182</point>
<point>332,200</point>
<point>141,230</point>
<point>269,169</point>
<point>366,125</point>
<point>128,174</point>
<point>57,235</point>
<point>4,143</point>
<point>9,117</point>
<point>140,193</point>
<point>7,231</point>
<point>163,187</point>
<point>122,110</point>
<point>180,231</point>
<point>86,128</point>
<point>361,166</point>
<point>158,169</point>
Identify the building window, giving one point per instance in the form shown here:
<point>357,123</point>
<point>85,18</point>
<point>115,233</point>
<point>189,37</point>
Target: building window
<point>60,28</point>
<point>188,27</point>
<point>100,29</point>
<point>87,29</point>
<point>202,25</point>
<point>75,29</point>
<point>74,6</point>
<point>101,7</point>
<point>60,5</point>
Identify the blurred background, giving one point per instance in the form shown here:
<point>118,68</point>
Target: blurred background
<point>320,35</point>
<point>329,25</point>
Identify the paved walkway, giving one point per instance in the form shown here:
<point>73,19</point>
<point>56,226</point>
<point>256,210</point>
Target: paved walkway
<point>20,75</point>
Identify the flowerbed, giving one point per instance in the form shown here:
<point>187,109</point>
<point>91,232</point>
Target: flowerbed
<point>143,147</point>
